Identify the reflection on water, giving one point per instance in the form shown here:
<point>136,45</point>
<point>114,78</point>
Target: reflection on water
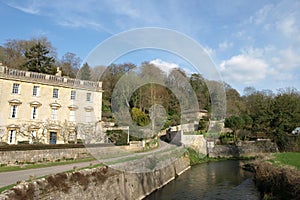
<point>216,180</point>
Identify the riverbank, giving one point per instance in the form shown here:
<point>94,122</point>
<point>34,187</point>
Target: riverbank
<point>278,177</point>
<point>196,158</point>
<point>98,183</point>
<point>210,180</point>
<point>243,149</point>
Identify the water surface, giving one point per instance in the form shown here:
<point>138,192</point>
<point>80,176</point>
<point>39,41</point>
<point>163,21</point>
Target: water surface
<point>222,180</point>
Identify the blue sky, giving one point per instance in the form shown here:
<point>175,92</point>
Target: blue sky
<point>252,42</point>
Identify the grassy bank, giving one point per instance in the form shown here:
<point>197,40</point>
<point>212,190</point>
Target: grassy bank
<point>195,158</point>
<point>278,177</point>
<point>287,159</point>
<point>277,182</point>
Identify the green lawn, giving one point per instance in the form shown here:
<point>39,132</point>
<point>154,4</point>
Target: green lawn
<point>287,158</point>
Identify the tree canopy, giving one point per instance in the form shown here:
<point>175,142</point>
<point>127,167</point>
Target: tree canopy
<point>274,114</point>
<point>39,60</point>
<point>84,72</point>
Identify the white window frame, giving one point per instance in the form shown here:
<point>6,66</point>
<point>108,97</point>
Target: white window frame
<point>36,91</point>
<point>72,116</point>
<point>89,96</point>
<point>32,135</point>
<point>54,114</point>
<point>13,111</point>
<point>55,93</point>
<point>16,88</point>
<point>34,112</point>
<point>88,116</point>
<point>11,139</point>
<point>73,95</point>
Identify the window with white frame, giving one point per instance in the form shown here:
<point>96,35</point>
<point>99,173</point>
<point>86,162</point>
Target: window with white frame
<point>55,93</point>
<point>72,115</point>
<point>36,91</point>
<point>88,116</point>
<point>34,112</point>
<point>16,88</point>
<point>73,95</point>
<point>11,136</point>
<point>54,114</point>
<point>32,137</point>
<point>13,111</point>
<point>88,96</point>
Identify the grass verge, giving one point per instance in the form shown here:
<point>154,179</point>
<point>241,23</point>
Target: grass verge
<point>196,158</point>
<point>6,188</point>
<point>41,165</point>
<point>69,171</point>
<point>287,158</point>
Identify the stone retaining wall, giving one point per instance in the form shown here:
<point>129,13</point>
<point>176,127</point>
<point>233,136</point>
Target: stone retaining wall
<point>243,149</point>
<point>52,155</point>
<point>196,142</point>
<point>35,156</point>
<point>98,183</point>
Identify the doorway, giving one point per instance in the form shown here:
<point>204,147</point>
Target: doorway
<point>53,137</point>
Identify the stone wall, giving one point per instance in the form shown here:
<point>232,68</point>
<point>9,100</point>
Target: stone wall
<point>196,142</point>
<point>47,155</point>
<point>243,149</point>
<point>293,143</point>
<point>52,155</point>
<point>98,183</point>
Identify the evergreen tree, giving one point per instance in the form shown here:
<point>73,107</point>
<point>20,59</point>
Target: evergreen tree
<point>38,59</point>
<point>235,123</point>
<point>85,72</point>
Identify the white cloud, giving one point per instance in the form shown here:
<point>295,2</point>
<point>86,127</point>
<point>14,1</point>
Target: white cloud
<point>290,27</point>
<point>31,7</point>
<point>289,59</point>
<point>82,14</point>
<point>261,16</point>
<point>164,66</point>
<point>124,8</point>
<point>244,69</point>
<point>265,67</point>
<point>209,51</point>
<point>225,45</point>
<point>280,18</point>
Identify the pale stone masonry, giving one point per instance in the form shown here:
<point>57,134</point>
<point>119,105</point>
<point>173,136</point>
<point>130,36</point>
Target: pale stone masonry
<point>45,108</point>
<point>98,183</point>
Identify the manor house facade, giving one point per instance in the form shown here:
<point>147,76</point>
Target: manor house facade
<point>49,109</point>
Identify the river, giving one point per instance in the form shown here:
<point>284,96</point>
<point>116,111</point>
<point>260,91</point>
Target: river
<point>223,180</point>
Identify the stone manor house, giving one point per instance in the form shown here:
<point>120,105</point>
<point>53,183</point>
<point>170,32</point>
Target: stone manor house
<point>48,109</point>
